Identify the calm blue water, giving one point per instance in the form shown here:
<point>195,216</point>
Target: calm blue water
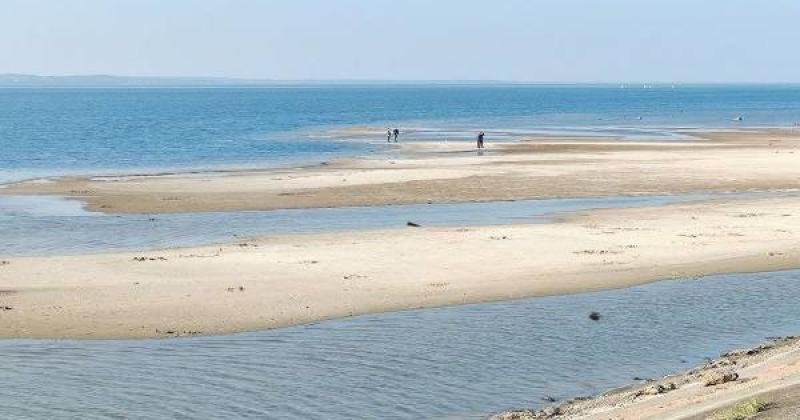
<point>47,132</point>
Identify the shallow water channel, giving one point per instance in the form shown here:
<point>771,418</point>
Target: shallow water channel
<point>458,362</point>
<point>53,226</point>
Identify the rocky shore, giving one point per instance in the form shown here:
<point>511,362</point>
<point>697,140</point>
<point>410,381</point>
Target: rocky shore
<point>764,377</point>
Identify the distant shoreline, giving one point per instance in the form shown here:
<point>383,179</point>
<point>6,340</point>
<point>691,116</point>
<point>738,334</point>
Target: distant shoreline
<point>10,80</point>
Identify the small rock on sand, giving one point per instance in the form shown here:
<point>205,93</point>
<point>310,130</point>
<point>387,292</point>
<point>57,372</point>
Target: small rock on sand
<point>719,377</point>
<point>748,352</point>
<point>658,389</point>
<point>546,413</point>
<point>142,259</point>
<point>515,415</point>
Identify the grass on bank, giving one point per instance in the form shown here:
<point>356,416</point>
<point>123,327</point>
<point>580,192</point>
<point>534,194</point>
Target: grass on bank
<point>743,410</point>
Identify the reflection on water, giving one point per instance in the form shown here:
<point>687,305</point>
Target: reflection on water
<point>48,226</point>
<point>459,362</point>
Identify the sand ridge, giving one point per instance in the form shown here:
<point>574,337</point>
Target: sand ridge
<point>286,280</point>
<point>438,172</point>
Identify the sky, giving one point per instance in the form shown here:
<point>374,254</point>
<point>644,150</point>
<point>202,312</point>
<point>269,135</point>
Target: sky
<point>512,40</point>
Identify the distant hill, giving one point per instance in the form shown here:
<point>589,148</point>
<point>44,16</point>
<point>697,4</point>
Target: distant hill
<point>102,80</point>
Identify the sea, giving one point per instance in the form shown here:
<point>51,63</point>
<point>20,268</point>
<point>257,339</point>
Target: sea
<point>462,362</point>
<point>48,132</point>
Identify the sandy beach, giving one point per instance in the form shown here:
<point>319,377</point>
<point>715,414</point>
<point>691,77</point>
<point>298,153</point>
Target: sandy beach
<point>436,172</point>
<point>285,280</point>
<point>278,281</point>
<point>400,210</point>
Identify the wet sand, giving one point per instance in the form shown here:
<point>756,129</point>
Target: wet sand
<point>438,172</point>
<point>286,280</point>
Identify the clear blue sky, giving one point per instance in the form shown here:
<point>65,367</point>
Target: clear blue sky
<point>529,40</point>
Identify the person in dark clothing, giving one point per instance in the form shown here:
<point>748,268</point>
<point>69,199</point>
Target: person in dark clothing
<point>396,133</point>
<point>388,135</point>
<point>481,135</point>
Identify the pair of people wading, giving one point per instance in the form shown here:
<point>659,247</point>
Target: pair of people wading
<point>392,133</point>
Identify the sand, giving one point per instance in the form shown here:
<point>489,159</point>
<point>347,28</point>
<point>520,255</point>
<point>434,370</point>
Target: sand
<point>277,281</point>
<point>436,172</point>
<point>285,280</point>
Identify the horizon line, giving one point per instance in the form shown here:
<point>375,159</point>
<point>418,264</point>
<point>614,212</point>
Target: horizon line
<point>7,79</point>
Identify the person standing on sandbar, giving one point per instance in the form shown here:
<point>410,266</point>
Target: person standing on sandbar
<point>388,135</point>
<point>481,135</point>
<point>396,133</point>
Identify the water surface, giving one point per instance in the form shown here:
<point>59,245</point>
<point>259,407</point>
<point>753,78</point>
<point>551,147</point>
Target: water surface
<point>49,132</point>
<point>457,362</point>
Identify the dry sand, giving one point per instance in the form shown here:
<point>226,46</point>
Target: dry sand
<point>452,172</point>
<point>279,281</point>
